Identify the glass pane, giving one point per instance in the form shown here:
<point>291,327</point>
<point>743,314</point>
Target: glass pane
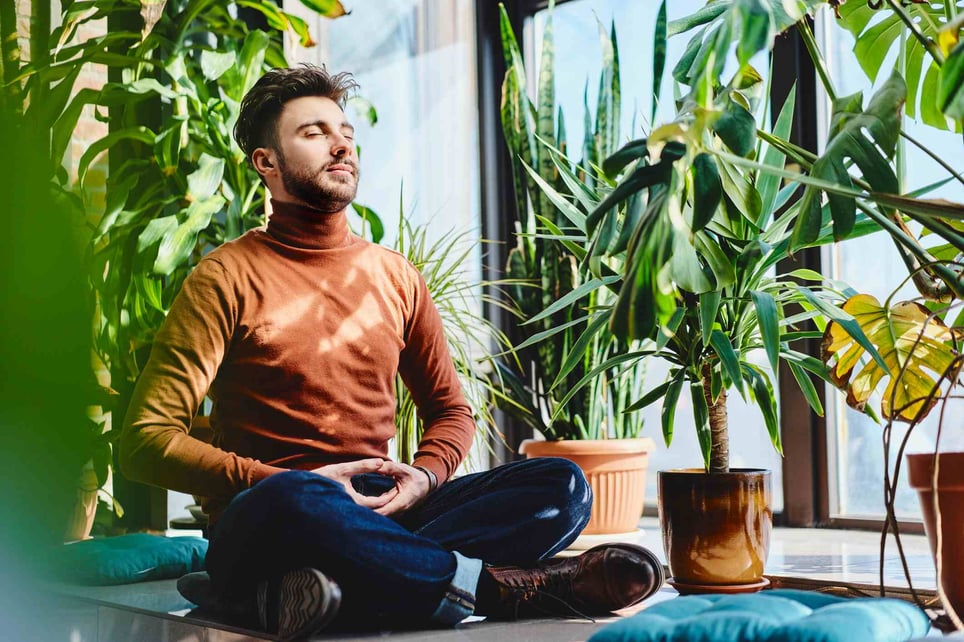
<point>415,62</point>
<point>856,466</point>
<point>577,64</point>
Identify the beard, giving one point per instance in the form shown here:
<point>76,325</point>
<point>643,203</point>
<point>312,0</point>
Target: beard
<point>320,189</point>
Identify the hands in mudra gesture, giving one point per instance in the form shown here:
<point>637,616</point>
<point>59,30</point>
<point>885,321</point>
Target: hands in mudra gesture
<point>411,484</point>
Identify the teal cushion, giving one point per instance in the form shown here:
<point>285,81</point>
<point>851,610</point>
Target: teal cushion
<point>138,557</point>
<point>781,615</point>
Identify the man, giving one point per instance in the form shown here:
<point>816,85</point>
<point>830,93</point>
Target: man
<point>296,332</point>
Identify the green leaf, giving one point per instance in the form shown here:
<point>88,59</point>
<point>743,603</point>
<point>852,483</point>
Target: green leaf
<point>215,63</point>
<point>709,305</point>
<point>668,330</point>
<point>707,14</point>
<point>646,400</point>
<point>570,211</point>
<point>139,133</point>
<point>205,180</point>
<point>572,297</point>
<point>756,29</point>
<point>373,220</point>
<point>659,58</point>
<point>728,357</point>
<point>577,353</point>
<point>736,127</point>
<point>667,413</point>
<point>721,265</point>
<point>707,190</point>
<point>251,61</point>
<point>950,96</point>
<point>327,8</point>
<point>768,184</point>
<point>807,388</point>
<point>769,320</point>
<point>626,154</point>
<point>155,231</point>
<point>365,109</point>
<point>763,394</point>
<point>176,247</point>
<point>539,337</point>
<point>701,417</point>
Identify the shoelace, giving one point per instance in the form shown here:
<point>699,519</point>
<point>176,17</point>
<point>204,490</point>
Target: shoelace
<point>550,583</point>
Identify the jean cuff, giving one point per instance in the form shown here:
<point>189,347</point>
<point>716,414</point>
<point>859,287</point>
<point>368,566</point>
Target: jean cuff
<point>459,600</point>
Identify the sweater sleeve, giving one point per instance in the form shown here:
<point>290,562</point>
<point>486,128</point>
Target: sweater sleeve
<point>426,368</point>
<point>155,445</point>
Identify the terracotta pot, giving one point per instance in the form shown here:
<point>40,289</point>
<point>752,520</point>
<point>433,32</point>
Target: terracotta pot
<point>950,497</point>
<point>616,471</point>
<point>716,526</point>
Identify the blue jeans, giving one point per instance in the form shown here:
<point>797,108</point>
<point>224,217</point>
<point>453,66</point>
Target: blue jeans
<point>409,569</point>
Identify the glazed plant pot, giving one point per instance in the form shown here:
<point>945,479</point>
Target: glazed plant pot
<point>616,471</point>
<point>716,526</point>
<point>950,498</point>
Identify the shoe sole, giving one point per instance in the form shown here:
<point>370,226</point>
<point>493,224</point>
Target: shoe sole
<point>307,602</point>
<point>649,555</point>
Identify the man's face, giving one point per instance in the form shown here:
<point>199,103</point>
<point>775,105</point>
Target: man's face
<point>316,155</point>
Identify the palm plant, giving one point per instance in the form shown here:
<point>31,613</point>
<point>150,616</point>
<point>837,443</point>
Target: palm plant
<point>552,291</point>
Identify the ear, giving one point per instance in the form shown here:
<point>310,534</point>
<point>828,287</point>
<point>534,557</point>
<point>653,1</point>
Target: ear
<point>264,161</point>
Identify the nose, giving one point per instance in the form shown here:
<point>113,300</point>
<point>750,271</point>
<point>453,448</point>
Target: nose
<point>341,146</point>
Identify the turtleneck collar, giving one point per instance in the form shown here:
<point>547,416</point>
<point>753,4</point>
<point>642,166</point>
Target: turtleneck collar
<point>303,227</point>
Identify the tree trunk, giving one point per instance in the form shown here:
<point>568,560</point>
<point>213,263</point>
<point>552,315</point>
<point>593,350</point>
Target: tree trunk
<point>719,438</point>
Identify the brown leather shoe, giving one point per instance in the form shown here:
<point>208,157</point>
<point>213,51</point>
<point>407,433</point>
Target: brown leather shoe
<point>605,578</point>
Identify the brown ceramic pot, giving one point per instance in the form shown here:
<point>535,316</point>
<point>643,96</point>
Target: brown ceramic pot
<point>716,526</point>
<point>616,472</point>
<point>950,497</point>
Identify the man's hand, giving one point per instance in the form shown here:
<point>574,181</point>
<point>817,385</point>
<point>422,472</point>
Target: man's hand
<point>411,485</point>
<point>342,473</point>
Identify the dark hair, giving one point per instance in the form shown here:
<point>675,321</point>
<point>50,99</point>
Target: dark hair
<point>262,105</point>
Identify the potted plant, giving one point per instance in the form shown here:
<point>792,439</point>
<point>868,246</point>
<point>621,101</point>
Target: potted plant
<point>697,220</point>
<point>556,298</point>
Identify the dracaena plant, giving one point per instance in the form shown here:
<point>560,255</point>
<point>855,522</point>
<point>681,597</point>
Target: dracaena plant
<point>552,290</point>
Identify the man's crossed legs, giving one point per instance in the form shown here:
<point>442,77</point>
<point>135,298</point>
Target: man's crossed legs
<point>474,545</point>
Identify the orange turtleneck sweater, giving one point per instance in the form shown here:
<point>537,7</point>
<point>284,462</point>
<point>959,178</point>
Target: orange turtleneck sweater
<point>295,331</point>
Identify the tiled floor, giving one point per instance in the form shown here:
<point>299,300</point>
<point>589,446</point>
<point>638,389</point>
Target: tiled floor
<point>153,611</point>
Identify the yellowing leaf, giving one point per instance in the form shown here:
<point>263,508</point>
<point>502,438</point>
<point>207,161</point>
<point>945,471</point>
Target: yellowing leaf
<point>917,349</point>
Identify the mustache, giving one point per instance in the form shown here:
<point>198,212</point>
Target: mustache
<point>349,163</point>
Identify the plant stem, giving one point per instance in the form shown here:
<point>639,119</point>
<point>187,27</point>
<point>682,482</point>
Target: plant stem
<point>806,34</point>
<point>928,44</point>
<point>719,439</point>
<point>940,161</point>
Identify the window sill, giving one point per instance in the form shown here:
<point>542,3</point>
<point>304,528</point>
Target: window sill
<point>818,558</point>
